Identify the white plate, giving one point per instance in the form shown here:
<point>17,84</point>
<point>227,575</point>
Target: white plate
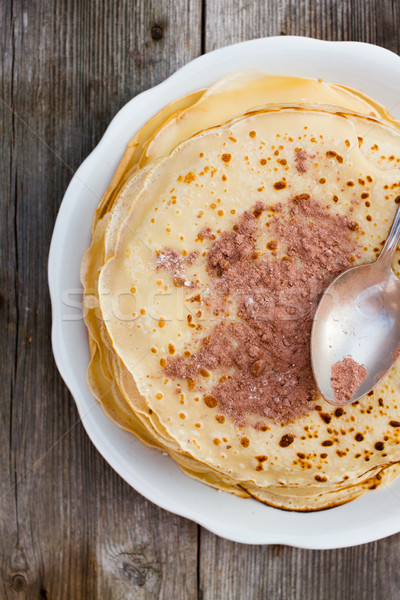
<point>368,68</point>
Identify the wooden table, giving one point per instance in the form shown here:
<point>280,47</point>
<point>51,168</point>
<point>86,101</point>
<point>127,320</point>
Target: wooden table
<point>70,528</point>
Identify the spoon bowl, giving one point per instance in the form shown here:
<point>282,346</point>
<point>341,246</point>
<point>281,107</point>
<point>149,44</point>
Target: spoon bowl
<point>358,316</point>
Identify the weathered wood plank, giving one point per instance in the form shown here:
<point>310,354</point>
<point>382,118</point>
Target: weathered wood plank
<point>70,527</point>
<point>233,571</point>
<point>373,21</point>
<point>8,292</point>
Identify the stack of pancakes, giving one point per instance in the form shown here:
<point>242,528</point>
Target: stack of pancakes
<point>199,165</point>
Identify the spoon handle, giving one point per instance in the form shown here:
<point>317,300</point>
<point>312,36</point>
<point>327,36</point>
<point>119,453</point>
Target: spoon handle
<point>392,240</point>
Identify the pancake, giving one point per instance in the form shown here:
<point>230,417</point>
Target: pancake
<point>231,162</point>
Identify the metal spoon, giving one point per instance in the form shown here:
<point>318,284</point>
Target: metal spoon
<point>359,316</point>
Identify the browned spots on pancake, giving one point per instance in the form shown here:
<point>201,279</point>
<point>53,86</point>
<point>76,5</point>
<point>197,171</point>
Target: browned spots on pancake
<point>320,478</point>
<point>257,212</point>
<point>280,185</point>
<point>245,442</point>
<point>286,440</point>
<point>171,348</point>
<point>210,401</point>
<point>325,417</point>
<point>191,384</point>
<point>272,245</point>
<point>352,225</point>
<point>252,134</point>
<point>394,423</point>
<point>359,437</point>
<point>189,177</point>
<point>204,373</point>
<point>262,458</point>
<point>220,419</point>
<point>226,157</point>
<point>327,443</point>
<point>333,154</point>
<point>300,197</point>
<point>189,319</point>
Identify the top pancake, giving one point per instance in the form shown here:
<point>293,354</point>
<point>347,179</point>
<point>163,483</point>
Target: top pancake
<point>154,203</point>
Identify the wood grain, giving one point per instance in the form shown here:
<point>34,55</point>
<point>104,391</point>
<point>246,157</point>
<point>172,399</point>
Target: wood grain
<point>373,21</point>
<point>70,528</point>
<point>8,295</point>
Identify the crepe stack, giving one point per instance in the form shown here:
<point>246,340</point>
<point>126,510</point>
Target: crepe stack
<point>283,153</point>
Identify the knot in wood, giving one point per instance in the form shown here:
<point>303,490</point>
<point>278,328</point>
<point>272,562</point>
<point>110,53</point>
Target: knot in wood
<point>133,573</point>
<point>157,32</point>
<point>18,582</point>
